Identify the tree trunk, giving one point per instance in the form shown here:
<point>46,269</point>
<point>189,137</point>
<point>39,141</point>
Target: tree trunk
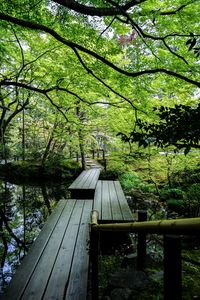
<point>46,152</point>
<point>82,150</point>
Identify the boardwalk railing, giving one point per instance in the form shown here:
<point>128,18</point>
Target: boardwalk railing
<point>172,247</point>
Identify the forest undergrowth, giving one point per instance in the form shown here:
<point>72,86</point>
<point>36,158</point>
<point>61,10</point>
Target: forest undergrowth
<point>167,185</point>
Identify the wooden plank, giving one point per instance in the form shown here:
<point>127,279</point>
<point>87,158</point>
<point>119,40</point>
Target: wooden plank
<point>78,181</point>
<point>61,266</point>
<point>60,273</point>
<point>88,180</point>
<point>126,212</point>
<point>25,270</point>
<point>97,204</point>
<point>77,288</point>
<point>94,179</point>
<point>84,188</point>
<point>106,208</point>
<point>114,201</point>
<point>37,285</point>
<point>110,202</point>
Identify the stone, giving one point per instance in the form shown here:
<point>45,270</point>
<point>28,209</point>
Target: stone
<point>128,279</point>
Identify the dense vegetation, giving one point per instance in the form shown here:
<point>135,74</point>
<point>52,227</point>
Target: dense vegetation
<point>114,80</point>
<point>73,75</point>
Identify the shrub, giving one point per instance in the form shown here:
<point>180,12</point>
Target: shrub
<point>176,205</point>
<point>115,169</point>
<point>129,181</point>
<point>192,200</point>
<point>171,193</point>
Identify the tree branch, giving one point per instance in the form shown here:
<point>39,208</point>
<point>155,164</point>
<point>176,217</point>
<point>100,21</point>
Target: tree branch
<point>100,80</point>
<point>73,46</point>
<point>35,89</point>
<point>173,12</point>
<point>96,11</point>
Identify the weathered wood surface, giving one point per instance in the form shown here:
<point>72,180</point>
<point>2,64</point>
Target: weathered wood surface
<point>111,203</point>
<point>84,185</point>
<point>57,264</point>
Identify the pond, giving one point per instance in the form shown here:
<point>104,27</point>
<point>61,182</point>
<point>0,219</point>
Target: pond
<point>23,212</point>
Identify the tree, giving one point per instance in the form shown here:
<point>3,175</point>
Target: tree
<point>123,54</point>
<point>178,126</point>
<point>158,32</point>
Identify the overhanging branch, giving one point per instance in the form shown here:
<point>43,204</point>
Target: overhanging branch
<point>96,11</point>
<point>72,45</point>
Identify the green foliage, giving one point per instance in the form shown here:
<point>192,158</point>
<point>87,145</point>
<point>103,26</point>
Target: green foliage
<point>192,201</point>
<point>176,205</point>
<point>167,193</point>
<point>115,167</point>
<point>108,265</point>
<point>130,180</point>
<point>178,126</point>
<point>20,170</point>
<point>195,177</point>
<point>193,192</point>
<point>191,275</point>
<point>5,151</point>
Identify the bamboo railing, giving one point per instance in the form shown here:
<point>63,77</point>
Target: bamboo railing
<point>174,226</point>
<point>172,247</point>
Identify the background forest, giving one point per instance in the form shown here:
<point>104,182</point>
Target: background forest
<point>115,81</point>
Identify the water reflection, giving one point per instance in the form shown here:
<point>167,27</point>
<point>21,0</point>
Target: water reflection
<point>23,211</point>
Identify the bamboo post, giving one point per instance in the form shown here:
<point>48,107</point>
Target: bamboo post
<point>172,268</point>
<point>94,248</point>
<point>141,245</point>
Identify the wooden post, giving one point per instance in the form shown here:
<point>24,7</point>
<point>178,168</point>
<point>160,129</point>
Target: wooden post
<point>172,268</point>
<point>141,245</point>
<point>103,154</point>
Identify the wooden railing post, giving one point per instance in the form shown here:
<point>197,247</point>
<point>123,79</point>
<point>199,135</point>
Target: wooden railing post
<point>172,268</point>
<point>141,244</point>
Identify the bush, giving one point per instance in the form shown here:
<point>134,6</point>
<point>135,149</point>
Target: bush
<point>176,205</point>
<point>115,169</point>
<point>171,193</point>
<point>192,201</point>
<point>129,181</point>
<point>196,177</point>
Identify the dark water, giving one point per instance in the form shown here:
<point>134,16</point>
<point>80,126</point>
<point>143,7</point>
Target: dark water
<point>23,212</point>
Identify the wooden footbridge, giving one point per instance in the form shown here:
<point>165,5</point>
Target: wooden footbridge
<point>58,263</point>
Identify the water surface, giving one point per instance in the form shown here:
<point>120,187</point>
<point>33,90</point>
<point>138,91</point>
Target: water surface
<point>23,212</point>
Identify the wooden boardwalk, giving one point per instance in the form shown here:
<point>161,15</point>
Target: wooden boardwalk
<point>84,185</point>
<point>57,264</point>
<point>110,202</point>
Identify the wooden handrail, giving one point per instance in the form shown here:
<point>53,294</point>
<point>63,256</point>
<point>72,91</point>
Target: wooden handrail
<point>173,226</point>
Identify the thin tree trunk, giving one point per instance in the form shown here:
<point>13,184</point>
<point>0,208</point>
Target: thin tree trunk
<point>82,150</point>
